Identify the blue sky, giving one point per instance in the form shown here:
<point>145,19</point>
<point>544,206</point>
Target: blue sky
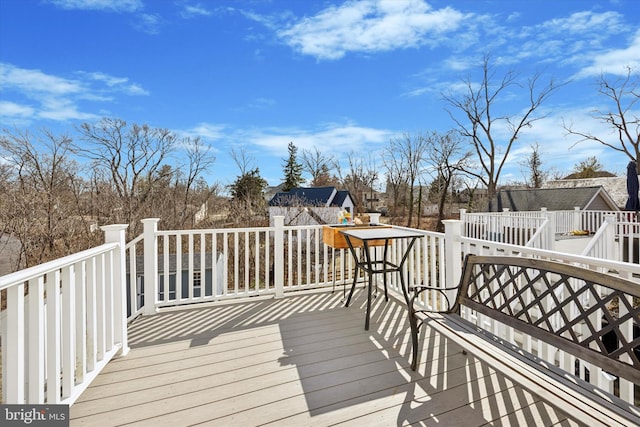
<point>341,76</point>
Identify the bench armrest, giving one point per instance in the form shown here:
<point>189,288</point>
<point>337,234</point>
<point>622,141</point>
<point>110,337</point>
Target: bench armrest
<point>417,290</point>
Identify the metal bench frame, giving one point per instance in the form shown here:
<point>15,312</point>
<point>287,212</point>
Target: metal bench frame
<point>546,300</point>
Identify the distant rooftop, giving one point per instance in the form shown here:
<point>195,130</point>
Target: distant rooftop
<point>615,186</point>
<point>554,199</point>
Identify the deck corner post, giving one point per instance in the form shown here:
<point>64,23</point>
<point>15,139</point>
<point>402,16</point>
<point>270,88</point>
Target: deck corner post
<point>453,252</point>
<point>150,265</point>
<point>116,234</point>
<point>278,255</point>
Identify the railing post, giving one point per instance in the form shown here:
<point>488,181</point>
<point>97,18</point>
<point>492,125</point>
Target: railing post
<point>577,219</point>
<point>463,219</point>
<point>452,253</point>
<point>14,393</point>
<point>116,234</point>
<point>278,255</point>
<point>150,265</point>
<point>550,235</point>
<point>609,239</point>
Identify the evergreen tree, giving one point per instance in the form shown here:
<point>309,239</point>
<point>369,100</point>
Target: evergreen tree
<point>292,169</point>
<point>249,187</point>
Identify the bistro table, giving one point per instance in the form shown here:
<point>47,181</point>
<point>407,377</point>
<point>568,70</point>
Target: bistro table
<point>382,266</point>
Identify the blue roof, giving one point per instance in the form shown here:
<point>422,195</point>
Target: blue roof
<point>340,198</point>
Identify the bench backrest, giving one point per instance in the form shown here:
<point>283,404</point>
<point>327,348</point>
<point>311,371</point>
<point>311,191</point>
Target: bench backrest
<point>589,314</point>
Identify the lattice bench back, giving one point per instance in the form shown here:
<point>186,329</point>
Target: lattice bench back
<point>574,309</point>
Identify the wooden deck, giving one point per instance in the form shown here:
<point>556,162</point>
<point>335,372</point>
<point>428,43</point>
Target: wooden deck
<point>304,360</point>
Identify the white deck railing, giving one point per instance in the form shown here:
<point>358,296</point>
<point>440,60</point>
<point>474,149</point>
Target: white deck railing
<point>535,229</point>
<point>488,225</point>
<point>106,286</point>
<point>58,337</point>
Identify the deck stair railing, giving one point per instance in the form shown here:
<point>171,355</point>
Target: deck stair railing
<point>617,239</point>
<point>476,223</point>
<point>534,229</point>
<point>602,245</point>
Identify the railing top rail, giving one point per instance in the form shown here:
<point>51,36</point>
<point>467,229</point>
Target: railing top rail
<point>425,232</point>
<point>545,253</point>
<point>510,213</point>
<point>40,269</point>
<point>134,241</point>
<point>538,234</point>
<point>211,230</point>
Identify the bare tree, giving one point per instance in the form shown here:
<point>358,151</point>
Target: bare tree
<point>479,122</point>
<point>623,116</point>
<point>39,206</point>
<point>410,152</point>
<point>446,159</point>
<point>359,178</point>
<point>242,159</point>
<point>535,175</point>
<point>132,156</point>
<point>588,168</point>
<point>370,178</point>
<point>199,160</point>
<point>394,164</point>
<point>319,166</point>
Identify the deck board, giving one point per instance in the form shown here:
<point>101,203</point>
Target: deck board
<point>300,360</point>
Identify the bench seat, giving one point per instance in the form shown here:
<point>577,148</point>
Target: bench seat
<point>575,310</point>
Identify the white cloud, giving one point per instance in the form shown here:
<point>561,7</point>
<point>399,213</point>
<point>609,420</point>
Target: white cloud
<point>206,131</point>
<point>36,81</point>
<point>574,41</point>
<point>261,104</point>
<point>615,61</point>
<point>121,84</point>
<point>108,5</point>
<point>58,98</point>
<point>11,109</point>
<point>145,22</point>
<point>371,26</point>
<point>335,138</point>
<point>560,151</point>
<point>585,22</point>
<point>148,23</point>
<point>60,109</point>
<point>192,11</point>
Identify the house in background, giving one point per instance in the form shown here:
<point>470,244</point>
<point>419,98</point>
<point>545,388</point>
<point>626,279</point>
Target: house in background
<point>615,186</point>
<point>554,199</point>
<point>310,205</point>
